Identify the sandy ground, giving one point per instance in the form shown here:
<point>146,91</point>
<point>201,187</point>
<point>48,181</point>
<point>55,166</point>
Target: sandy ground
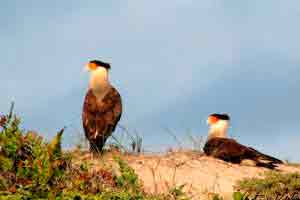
<point>202,176</point>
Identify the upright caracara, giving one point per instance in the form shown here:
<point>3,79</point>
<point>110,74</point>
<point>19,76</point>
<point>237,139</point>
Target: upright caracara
<point>102,106</point>
<point>219,146</point>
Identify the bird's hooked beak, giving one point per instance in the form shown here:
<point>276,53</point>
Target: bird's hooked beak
<point>86,68</point>
<point>90,67</point>
<point>207,122</point>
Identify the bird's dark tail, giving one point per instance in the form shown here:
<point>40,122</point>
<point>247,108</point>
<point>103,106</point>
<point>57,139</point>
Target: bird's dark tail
<point>263,157</point>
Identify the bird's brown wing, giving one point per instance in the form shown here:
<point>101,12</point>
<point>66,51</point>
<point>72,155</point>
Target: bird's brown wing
<point>101,117</point>
<point>225,149</point>
<point>89,114</point>
<point>231,151</point>
<point>112,107</point>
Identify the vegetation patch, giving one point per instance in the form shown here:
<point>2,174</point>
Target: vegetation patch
<point>31,168</point>
<point>274,185</point>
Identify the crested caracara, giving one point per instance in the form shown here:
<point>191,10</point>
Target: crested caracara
<point>102,106</point>
<point>221,147</point>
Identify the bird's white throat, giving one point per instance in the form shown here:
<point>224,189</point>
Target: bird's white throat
<point>99,82</point>
<point>218,129</point>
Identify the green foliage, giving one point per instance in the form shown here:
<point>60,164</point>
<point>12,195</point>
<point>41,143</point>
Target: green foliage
<point>177,193</point>
<point>6,163</point>
<point>235,196</point>
<point>217,197</point>
<point>28,165</point>
<point>128,178</point>
<point>31,168</point>
<point>274,185</point>
<point>239,196</point>
<point>54,148</point>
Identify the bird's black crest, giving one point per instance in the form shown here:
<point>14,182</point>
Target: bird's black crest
<point>221,116</point>
<point>100,63</point>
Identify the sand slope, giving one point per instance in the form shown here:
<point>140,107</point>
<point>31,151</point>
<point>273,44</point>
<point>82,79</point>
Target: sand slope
<point>201,175</point>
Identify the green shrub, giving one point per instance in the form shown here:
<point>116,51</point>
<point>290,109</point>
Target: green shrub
<point>274,185</point>
<point>239,196</point>
<point>31,168</point>
<point>128,178</point>
<point>177,193</point>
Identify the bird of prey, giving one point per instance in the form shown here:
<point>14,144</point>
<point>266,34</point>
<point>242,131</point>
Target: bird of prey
<point>221,147</point>
<point>102,108</point>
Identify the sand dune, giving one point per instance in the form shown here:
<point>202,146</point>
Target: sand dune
<point>202,176</point>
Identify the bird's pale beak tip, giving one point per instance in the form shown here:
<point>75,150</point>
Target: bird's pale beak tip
<point>208,122</point>
<point>86,68</point>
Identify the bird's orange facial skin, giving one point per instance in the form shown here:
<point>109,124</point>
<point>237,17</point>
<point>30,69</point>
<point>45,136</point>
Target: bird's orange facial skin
<point>212,120</point>
<point>92,66</point>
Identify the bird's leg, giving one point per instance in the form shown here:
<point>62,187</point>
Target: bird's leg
<point>95,148</point>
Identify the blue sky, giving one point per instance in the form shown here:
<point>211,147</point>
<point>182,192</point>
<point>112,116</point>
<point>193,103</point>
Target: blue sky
<point>173,61</point>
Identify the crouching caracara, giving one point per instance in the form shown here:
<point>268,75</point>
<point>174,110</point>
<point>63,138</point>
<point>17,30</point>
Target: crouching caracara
<point>221,147</point>
<point>102,106</point>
